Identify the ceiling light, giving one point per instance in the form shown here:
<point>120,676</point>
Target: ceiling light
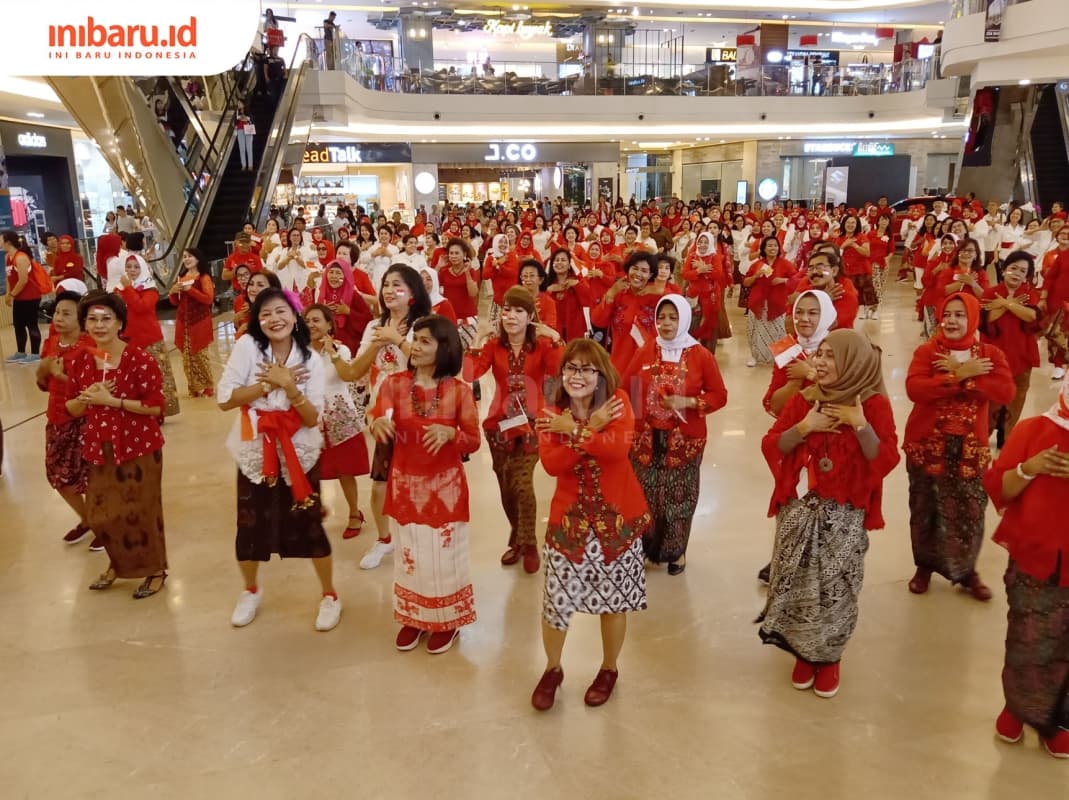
<point>35,114</point>
<point>1024,82</point>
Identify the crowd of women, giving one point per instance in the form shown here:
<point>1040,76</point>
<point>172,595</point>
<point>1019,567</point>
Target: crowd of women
<point>598,333</point>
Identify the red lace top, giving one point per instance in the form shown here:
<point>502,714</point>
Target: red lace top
<point>695,375</point>
<point>1016,338</point>
<point>571,320</point>
<point>1032,527</point>
<point>764,293</point>
<point>142,325</point>
<point>137,377</point>
<point>778,381</point>
<point>845,307</point>
<point>57,388</point>
<point>627,310</point>
<point>596,489</point>
<point>425,489</point>
<point>502,274</point>
<point>852,478</point>
<point>943,406</point>
<point>194,313</point>
<point>455,289</point>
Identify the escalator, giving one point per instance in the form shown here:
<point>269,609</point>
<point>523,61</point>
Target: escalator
<point>190,183</point>
<point>1049,136</point>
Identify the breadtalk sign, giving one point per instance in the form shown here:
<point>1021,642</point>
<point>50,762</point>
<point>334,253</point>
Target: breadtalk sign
<point>105,37</point>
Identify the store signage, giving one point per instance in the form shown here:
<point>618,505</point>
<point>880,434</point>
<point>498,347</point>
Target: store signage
<point>520,30</point>
<point>841,37</point>
<point>849,148</point>
<point>727,55</point>
<point>34,140</point>
<point>514,152</point>
<point>359,153</point>
<point>767,189</point>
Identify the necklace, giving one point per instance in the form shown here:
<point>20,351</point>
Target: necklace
<point>430,409</point>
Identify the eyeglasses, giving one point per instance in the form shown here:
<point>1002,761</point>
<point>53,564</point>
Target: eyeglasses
<point>571,370</point>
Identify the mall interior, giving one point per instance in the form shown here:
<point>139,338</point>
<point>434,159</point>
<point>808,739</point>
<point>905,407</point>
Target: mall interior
<point>414,111</point>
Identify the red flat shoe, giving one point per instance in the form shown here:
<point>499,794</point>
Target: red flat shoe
<point>826,684</point>
<point>920,581</point>
<point>1058,745</point>
<point>803,675</point>
<point>601,689</point>
<point>977,588</point>
<point>531,562</point>
<point>511,556</point>
<point>546,690</point>
<point>1008,727</point>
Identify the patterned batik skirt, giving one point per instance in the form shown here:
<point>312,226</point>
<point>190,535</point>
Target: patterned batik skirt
<point>270,522</point>
<point>197,366</point>
<point>170,389</point>
<point>866,290</point>
<point>125,509</point>
<point>818,566</point>
<point>592,586</point>
<point>64,466</point>
<point>432,588</point>
<point>879,274</point>
<point>1035,678</point>
<point>763,332</point>
<point>946,517</point>
<point>672,495</point>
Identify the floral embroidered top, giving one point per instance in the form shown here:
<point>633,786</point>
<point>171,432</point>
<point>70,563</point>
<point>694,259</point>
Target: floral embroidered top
<point>852,478</point>
<point>596,489</point>
<point>423,489</point>
<point>340,420</point>
<point>245,363</point>
<point>57,388</point>
<point>943,406</point>
<point>1010,334</point>
<point>628,316</point>
<point>519,387</point>
<point>390,360</point>
<point>137,377</point>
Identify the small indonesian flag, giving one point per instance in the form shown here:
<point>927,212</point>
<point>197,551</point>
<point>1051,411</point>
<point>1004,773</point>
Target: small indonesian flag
<point>785,351</point>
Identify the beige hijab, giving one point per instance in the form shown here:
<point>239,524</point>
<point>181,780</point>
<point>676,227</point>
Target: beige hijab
<point>860,367</point>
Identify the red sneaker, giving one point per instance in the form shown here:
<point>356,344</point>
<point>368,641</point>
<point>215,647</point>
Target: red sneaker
<point>440,641</point>
<point>803,675</point>
<point>601,689</point>
<point>408,638</point>
<point>1008,727</point>
<point>531,561</point>
<point>1058,745</point>
<point>826,683</point>
<point>546,691</point>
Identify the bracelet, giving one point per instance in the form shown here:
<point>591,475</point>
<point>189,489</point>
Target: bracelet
<point>122,404</point>
<point>299,402</point>
<point>1024,475</point>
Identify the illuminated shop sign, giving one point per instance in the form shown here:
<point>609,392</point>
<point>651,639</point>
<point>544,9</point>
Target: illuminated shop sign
<point>360,153</point>
<point>514,151</point>
<point>849,148</point>
<point>520,30</point>
<point>34,140</point>
<point>727,55</point>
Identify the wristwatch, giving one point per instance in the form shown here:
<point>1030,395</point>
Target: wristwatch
<point>266,387</point>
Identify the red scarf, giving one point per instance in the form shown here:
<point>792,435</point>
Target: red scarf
<point>278,427</point>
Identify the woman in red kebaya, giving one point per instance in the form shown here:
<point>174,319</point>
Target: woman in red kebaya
<point>628,311</point>
<point>194,294</point>
<point>814,316</point>
<point>1028,484</point>
<point>522,355</point>
<point>662,279</point>
<point>967,272</point>
<point>610,251</point>
<point>1010,322</point>
<point>706,277</point>
<point>601,272</point>
<point>68,262</point>
<point>934,281</point>
<point>439,303</point>
<point>951,380</point>
<point>593,552</point>
<point>431,421</point>
<point>571,295</point>
<point>137,288</point>
<point>502,269</point>
<point>573,244</point>
<point>532,278</point>
<point>1053,302</point>
<point>525,249</point>
<point>674,383</point>
<point>854,252</point>
<point>881,247</point>
<point>767,302</point>
<point>840,432</point>
<point>458,281</point>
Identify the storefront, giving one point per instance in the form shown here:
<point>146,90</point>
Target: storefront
<point>713,171</point>
<point>377,176</point>
<point>514,170</point>
<point>99,189</point>
<point>42,181</point>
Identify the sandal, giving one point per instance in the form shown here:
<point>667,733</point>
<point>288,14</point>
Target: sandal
<point>146,589</point>
<point>676,568</point>
<point>512,555</point>
<point>104,581</point>
<point>352,531</point>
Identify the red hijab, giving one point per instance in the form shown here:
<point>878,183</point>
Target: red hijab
<point>972,312</point>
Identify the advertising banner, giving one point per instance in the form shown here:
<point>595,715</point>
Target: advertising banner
<point>993,25</point>
<point>111,37</point>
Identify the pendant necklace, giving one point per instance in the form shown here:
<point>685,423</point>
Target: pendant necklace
<point>825,464</point>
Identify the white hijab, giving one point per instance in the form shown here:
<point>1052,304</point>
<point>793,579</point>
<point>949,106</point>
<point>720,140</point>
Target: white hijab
<point>501,245</point>
<point>712,244</point>
<point>672,349</point>
<point>828,317</point>
<point>144,278</point>
<point>1059,412</point>
<point>436,292</point>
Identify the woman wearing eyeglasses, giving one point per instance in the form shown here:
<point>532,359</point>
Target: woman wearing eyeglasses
<point>593,551</point>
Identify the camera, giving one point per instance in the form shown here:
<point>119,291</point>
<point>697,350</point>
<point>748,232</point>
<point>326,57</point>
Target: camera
<point>437,115</point>
<point>764,117</point>
<point>872,114</point>
<point>641,117</point>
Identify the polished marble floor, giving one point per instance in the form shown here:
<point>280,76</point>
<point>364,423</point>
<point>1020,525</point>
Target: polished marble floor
<point>162,698</point>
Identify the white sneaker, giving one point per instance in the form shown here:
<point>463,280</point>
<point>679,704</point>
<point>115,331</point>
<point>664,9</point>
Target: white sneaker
<point>1058,374</point>
<point>329,613</point>
<point>751,362</point>
<point>245,610</point>
<point>874,314</point>
<point>374,556</point>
